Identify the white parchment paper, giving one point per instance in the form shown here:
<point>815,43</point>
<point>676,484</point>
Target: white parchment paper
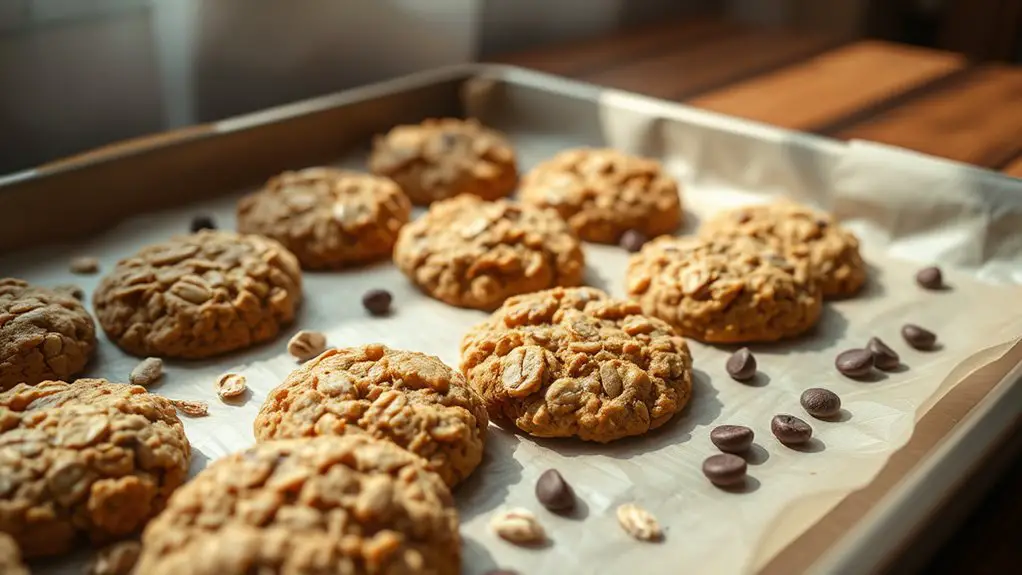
<point>905,208</point>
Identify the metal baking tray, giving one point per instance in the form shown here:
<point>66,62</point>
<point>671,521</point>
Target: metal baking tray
<point>50,209</point>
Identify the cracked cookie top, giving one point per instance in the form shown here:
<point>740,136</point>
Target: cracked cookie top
<point>328,218</point>
<point>89,460</point>
<point>44,334</point>
<point>575,362</point>
<point>602,193</point>
<point>445,157</point>
<point>724,290</point>
<point>471,253</point>
<point>830,251</point>
<point>199,295</point>
<point>349,504</point>
<point>409,398</point>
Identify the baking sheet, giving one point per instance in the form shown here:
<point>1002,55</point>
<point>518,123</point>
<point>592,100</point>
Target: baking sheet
<point>956,216</point>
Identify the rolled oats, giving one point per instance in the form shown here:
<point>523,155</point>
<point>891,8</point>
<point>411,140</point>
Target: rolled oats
<point>84,265</point>
<point>306,345</point>
<point>191,408</point>
<point>519,526</point>
<point>638,523</point>
<point>147,372</point>
<point>231,385</point>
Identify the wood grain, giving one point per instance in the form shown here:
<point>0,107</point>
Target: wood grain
<point>686,71</point>
<point>858,76</point>
<point>977,120</point>
<point>581,58</point>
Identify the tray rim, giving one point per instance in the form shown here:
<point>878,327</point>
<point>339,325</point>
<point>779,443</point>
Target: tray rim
<point>865,546</point>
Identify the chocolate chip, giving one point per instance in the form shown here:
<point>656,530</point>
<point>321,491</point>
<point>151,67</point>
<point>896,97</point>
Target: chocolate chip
<point>884,357</point>
<point>790,430</point>
<point>732,438</point>
<point>741,365</point>
<point>854,362</point>
<point>917,337</point>
<point>820,403</point>
<point>554,492</point>
<point>200,223</point>
<point>377,301</point>
<point>633,240</point>
<point>724,469</point>
<point>930,278</point>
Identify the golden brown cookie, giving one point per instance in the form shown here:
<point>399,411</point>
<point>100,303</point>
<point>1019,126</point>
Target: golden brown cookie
<point>443,158</point>
<point>10,557</point>
<point>724,291</point>
<point>574,362</point>
<point>89,460</point>
<point>472,253</point>
<point>350,504</point>
<point>328,218</point>
<point>44,334</point>
<point>199,295</point>
<point>406,397</point>
<point>830,251</point>
<point>602,193</point>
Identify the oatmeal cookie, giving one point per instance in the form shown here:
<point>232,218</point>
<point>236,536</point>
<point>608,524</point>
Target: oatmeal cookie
<point>89,460</point>
<point>10,557</point>
<point>574,362</point>
<point>328,218</point>
<point>830,251</point>
<point>44,334</point>
<point>406,397</point>
<point>724,290</point>
<point>603,193</point>
<point>475,254</point>
<point>351,504</point>
<point>199,295</point>
<point>443,158</point>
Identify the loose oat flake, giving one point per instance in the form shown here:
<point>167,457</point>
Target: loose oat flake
<point>638,522</point>
<point>231,385</point>
<point>148,371</point>
<point>192,408</point>
<point>519,526</point>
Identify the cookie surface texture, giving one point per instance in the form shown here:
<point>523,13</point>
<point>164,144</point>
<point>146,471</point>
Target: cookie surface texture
<point>328,218</point>
<point>603,193</point>
<point>830,251</point>
<point>574,362</point>
<point>724,290</point>
<point>10,557</point>
<point>446,157</point>
<point>44,334</point>
<point>475,254</point>
<point>89,460</point>
<point>409,398</point>
<point>199,295</point>
<point>351,504</point>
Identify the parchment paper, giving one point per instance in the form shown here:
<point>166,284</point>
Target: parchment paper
<point>902,206</point>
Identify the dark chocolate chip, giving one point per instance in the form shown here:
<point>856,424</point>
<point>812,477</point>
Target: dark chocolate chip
<point>724,469</point>
<point>732,438</point>
<point>200,223</point>
<point>930,278</point>
<point>790,430</point>
<point>741,365</point>
<point>918,337</point>
<point>377,301</point>
<point>554,492</point>
<point>820,403</point>
<point>884,357</point>
<point>632,240</point>
<point>854,362</point>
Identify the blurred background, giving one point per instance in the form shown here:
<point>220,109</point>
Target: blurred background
<point>75,74</point>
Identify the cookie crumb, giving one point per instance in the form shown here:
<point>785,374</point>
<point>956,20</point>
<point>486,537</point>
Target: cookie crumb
<point>519,526</point>
<point>147,372</point>
<point>639,523</point>
<point>191,408</point>
<point>231,385</point>
<point>306,345</point>
<point>84,265</point>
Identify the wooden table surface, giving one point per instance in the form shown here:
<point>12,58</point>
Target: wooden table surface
<point>925,100</point>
